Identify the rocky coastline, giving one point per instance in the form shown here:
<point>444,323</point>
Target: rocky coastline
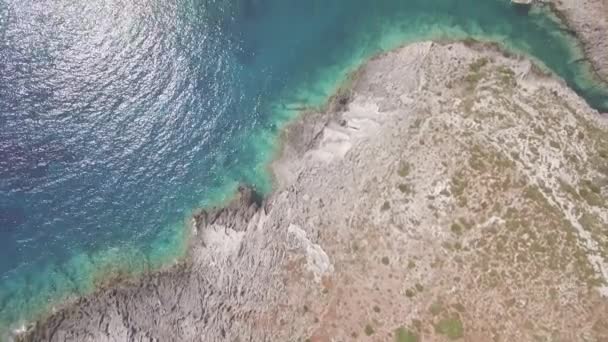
<point>448,191</point>
<point>430,201</point>
<point>588,21</point>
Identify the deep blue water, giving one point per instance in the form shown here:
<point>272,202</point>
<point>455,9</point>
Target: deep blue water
<point>119,117</point>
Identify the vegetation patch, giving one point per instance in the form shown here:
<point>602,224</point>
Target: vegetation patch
<point>436,308</point>
<point>404,169</point>
<point>405,335</point>
<point>472,80</point>
<point>478,64</point>
<point>406,189</point>
<point>459,307</point>
<point>534,194</point>
<point>456,228</point>
<point>506,76</point>
<point>591,193</point>
<point>569,189</point>
<point>450,327</point>
<point>385,206</point>
<point>385,260</point>
<point>458,186</point>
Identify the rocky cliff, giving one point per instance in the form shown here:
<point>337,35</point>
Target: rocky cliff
<point>450,191</point>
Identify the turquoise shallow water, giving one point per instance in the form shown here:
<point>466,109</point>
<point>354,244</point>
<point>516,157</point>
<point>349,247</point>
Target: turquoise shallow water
<point>118,117</point>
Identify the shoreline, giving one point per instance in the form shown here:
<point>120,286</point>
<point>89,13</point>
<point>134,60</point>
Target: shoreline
<point>335,102</point>
<point>244,209</point>
<point>121,279</point>
<point>575,16</point>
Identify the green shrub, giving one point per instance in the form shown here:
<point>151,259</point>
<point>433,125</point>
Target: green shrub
<point>404,335</point>
<point>450,327</point>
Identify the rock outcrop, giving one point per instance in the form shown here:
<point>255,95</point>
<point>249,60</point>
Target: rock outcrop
<point>450,192</point>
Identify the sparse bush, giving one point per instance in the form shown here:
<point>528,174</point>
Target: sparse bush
<point>450,327</point>
<point>404,335</point>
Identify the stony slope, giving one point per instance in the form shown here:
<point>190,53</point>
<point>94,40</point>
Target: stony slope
<point>450,192</point>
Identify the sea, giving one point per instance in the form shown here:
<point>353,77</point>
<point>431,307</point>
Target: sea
<point>120,118</point>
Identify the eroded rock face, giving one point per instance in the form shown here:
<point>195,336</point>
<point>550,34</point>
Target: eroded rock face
<point>455,193</point>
